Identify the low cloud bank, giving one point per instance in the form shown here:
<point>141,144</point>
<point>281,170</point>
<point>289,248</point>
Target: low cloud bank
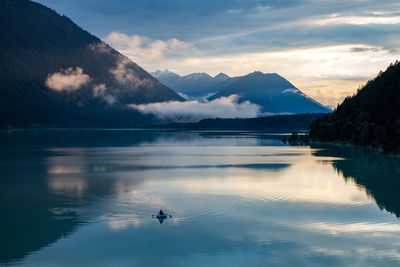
<point>70,79</point>
<point>193,111</point>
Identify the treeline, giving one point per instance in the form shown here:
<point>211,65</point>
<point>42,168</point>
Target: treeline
<point>277,123</point>
<point>371,117</point>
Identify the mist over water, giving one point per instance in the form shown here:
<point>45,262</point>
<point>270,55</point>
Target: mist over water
<point>86,197</point>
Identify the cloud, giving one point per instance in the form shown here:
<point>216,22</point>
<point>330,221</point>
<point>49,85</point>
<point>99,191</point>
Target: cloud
<point>143,49</point>
<point>364,49</point>
<point>99,90</point>
<point>199,98</point>
<point>101,47</point>
<point>109,99</point>
<point>356,20</point>
<point>192,111</point>
<point>290,90</point>
<point>125,75</point>
<point>67,80</point>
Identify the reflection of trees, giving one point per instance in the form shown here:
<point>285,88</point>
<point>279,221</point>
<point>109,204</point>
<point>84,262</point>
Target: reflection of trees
<point>32,214</point>
<point>29,214</point>
<point>40,204</point>
<point>378,173</point>
<point>80,138</point>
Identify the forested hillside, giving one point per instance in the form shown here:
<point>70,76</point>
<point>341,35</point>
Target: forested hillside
<point>53,73</point>
<point>371,117</point>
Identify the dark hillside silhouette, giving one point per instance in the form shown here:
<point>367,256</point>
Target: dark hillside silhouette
<point>36,42</point>
<point>369,118</point>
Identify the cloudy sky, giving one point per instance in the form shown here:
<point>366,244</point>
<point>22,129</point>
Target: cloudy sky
<point>327,48</point>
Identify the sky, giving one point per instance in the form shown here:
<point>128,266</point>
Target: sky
<point>326,48</point>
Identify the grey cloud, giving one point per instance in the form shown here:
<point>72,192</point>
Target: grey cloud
<point>246,25</point>
<point>301,36</point>
<point>361,49</point>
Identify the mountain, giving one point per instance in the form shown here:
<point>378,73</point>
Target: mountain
<point>195,85</point>
<point>272,92</point>
<point>55,73</point>
<point>371,117</point>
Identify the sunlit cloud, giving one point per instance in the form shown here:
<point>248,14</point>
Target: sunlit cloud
<point>355,20</point>
<point>141,48</point>
<point>70,79</point>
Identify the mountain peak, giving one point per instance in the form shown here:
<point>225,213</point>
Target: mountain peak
<point>272,92</point>
<point>164,73</point>
<point>198,75</point>
<point>256,72</point>
<point>270,77</point>
<point>221,76</point>
<point>262,74</point>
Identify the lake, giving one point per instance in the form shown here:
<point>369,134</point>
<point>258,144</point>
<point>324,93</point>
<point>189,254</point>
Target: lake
<point>87,198</point>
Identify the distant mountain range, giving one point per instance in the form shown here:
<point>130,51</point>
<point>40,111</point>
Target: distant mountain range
<point>193,86</point>
<point>55,73</point>
<point>271,91</point>
<point>369,118</point>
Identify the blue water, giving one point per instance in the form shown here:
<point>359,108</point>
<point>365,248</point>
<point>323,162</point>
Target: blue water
<point>86,198</point>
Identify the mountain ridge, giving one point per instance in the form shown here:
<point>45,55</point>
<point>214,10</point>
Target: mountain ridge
<point>194,85</point>
<point>272,92</point>
<point>56,73</point>
<point>264,89</point>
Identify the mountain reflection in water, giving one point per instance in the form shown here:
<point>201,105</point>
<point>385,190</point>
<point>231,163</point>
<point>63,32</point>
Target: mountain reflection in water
<point>378,174</point>
<point>231,192</point>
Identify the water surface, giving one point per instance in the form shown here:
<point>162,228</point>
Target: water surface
<point>86,197</point>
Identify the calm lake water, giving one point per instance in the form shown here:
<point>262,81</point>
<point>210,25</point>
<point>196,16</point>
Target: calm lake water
<point>86,198</point>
